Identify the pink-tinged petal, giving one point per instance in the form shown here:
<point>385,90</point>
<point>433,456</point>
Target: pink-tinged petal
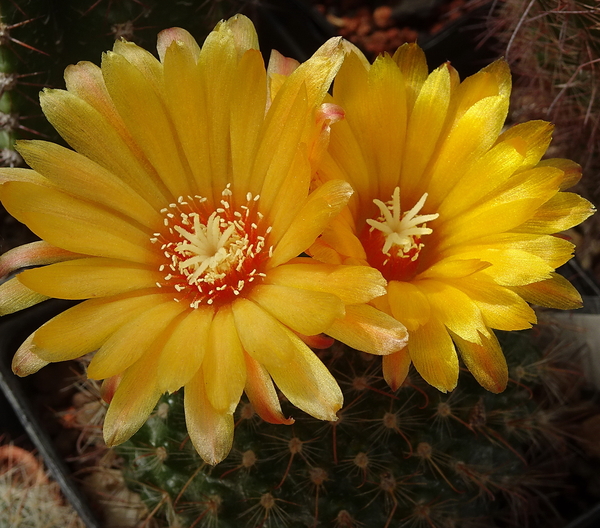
<point>224,366</point>
<point>33,254</point>
<point>485,361</point>
<point>261,393</point>
<point>25,361</point>
<point>109,387</point>
<point>320,342</point>
<point>433,354</point>
<point>281,65</point>
<point>211,431</point>
<point>135,398</point>
<point>167,36</point>
<point>367,329</point>
<point>15,296</point>
<point>395,368</point>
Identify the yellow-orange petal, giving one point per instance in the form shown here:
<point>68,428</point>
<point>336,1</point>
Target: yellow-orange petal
<point>433,354</point>
<point>127,344</point>
<point>261,393</point>
<point>224,366</point>
<point>87,278</point>
<point>395,368</point>
<point>15,296</point>
<point>559,213</point>
<point>211,432</point>
<point>133,401</point>
<point>85,327</point>
<point>370,330</point>
<point>294,367</point>
<point>306,312</point>
<point>485,361</point>
<point>185,349</point>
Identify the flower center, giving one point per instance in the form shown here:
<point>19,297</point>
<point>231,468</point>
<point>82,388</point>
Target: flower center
<point>393,241</point>
<point>211,254</point>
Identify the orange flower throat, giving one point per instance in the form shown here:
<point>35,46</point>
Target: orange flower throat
<point>392,242</point>
<point>212,254</point>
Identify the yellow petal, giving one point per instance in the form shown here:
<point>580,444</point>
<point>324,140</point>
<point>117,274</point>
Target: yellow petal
<point>184,350</point>
<point>15,296</point>
<point>556,292</point>
<point>262,336</point>
<point>99,138</point>
<point>262,395</point>
<point>408,304</point>
<point>131,341</point>
<point>144,114</point>
<point>224,366</point>
<point>248,103</point>
<point>85,327</point>
<point>370,330</point>
<point>81,177</point>
<point>454,309</point>
<point>433,354</point>
<point>211,432</point>
<point>537,135</point>
<point>306,312</point>
<point>75,225</point>
<point>352,284</point>
<point>310,221</point>
<point>395,368</point>
<point>424,126</point>
<point>485,361</point>
<point>559,213</point>
<point>167,36</point>
<point>413,65</point>
<point>89,277</point>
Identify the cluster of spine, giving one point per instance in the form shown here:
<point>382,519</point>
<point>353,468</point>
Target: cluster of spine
<point>553,48</point>
<point>411,458</point>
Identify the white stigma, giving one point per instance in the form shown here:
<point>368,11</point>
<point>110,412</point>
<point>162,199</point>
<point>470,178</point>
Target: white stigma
<point>210,250</point>
<point>400,229</point>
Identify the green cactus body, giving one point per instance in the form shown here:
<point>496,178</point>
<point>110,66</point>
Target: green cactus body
<point>411,458</point>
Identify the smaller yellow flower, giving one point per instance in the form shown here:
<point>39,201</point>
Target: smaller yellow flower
<point>178,220</point>
<point>457,215</point>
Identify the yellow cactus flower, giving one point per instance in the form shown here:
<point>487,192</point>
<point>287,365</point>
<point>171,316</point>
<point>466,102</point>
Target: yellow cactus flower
<point>178,220</point>
<point>457,214</point>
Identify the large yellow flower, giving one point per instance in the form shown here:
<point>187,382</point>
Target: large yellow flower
<point>179,216</point>
<point>457,215</point>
